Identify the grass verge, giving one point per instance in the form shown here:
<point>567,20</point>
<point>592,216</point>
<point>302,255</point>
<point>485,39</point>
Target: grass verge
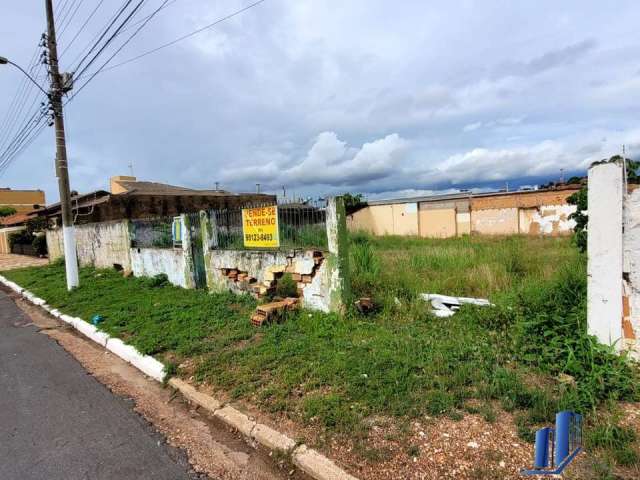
<point>530,353</point>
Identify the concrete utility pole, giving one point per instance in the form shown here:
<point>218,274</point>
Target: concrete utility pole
<point>62,170</point>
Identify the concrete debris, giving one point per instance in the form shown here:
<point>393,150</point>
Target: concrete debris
<point>272,311</point>
<point>445,306</point>
<point>365,305</point>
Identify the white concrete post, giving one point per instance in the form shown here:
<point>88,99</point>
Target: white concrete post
<point>605,258</point>
<point>186,251</point>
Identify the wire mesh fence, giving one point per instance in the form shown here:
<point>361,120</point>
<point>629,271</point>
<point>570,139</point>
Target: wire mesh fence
<point>156,233</point>
<point>299,226</point>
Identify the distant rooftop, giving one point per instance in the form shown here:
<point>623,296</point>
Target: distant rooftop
<point>127,185</point>
<point>468,194</point>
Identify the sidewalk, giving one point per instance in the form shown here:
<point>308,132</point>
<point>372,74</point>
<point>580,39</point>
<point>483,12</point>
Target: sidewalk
<point>10,261</point>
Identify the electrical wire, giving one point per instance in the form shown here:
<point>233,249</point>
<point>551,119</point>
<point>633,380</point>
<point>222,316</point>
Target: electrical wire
<point>17,105</point>
<point>32,129</point>
<point>163,6</point>
<point>110,39</point>
<point>23,135</point>
<point>81,29</point>
<point>184,37</point>
<point>104,32</point>
<point>63,26</point>
<point>33,134</point>
<point>146,21</point>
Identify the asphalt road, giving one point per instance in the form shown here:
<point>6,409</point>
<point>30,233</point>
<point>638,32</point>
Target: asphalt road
<point>58,422</point>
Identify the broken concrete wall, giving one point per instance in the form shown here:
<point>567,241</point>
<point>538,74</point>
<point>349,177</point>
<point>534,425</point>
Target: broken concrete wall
<point>631,268</point>
<point>148,262</point>
<point>547,220</point>
<point>101,245</point>
<point>322,276</point>
<point>605,261</point>
<point>244,271</point>
<point>543,212</point>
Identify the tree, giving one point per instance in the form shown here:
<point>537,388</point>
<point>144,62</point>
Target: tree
<point>5,211</point>
<point>579,199</point>
<point>353,202</point>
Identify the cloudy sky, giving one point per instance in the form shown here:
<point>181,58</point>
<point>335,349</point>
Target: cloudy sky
<point>380,97</point>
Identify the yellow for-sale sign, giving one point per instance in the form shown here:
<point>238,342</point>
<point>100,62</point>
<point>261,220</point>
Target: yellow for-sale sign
<point>260,227</point>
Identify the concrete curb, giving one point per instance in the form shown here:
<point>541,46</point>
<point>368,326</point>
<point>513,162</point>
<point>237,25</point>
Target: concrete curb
<point>148,365</point>
<point>306,459</point>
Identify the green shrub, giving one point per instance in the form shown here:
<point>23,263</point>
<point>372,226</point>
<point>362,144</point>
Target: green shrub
<point>40,244</point>
<point>157,281</point>
<point>20,238</point>
<point>5,211</point>
<point>286,286</point>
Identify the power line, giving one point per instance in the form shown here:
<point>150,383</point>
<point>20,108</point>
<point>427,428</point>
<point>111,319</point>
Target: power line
<point>146,21</point>
<point>110,39</point>
<point>60,7</point>
<point>82,27</point>
<point>64,27</point>
<point>33,133</point>
<point>111,23</point>
<point>163,6</point>
<point>184,37</point>
<point>22,136</point>
<point>17,105</point>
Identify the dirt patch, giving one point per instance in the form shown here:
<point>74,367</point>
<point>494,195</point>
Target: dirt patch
<point>211,448</point>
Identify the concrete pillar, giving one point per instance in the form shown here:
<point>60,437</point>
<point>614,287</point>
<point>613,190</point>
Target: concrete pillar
<point>632,271</point>
<point>605,257</point>
<point>186,251</point>
<point>338,245</point>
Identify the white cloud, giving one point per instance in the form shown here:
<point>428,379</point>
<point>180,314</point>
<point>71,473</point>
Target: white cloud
<point>330,161</point>
<point>417,108</point>
<point>572,153</point>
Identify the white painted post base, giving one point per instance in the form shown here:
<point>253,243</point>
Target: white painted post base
<point>70,257</point>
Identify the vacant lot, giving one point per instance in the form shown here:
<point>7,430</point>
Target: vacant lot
<point>344,379</point>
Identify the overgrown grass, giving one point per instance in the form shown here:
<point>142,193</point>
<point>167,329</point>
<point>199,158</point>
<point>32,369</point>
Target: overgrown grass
<point>337,371</point>
<point>154,317</point>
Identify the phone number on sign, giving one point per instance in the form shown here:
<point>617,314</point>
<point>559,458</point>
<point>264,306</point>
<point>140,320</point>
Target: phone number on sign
<point>258,237</point>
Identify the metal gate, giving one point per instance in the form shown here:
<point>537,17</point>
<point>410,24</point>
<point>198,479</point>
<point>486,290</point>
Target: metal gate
<point>197,251</point>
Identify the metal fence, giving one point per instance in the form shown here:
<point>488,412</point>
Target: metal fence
<point>299,226</point>
<point>156,233</point>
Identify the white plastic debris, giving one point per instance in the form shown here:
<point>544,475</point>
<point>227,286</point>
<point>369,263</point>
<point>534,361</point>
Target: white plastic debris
<point>445,306</point>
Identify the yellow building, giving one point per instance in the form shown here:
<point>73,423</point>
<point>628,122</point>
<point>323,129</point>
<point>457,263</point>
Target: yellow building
<point>22,200</point>
<point>530,212</point>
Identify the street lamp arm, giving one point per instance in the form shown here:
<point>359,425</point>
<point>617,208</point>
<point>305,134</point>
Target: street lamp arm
<point>4,61</point>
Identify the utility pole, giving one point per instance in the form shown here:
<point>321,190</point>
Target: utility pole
<point>62,170</point>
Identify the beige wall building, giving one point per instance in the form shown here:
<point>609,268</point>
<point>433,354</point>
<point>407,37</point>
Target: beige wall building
<point>21,200</point>
<point>528,212</point>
